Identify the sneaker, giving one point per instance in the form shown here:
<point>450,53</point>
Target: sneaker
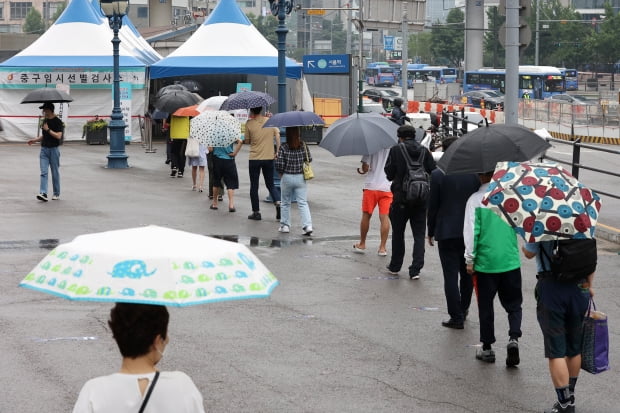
<point>512,358</point>
<point>557,408</point>
<point>278,212</point>
<point>55,197</point>
<point>488,356</point>
<point>284,228</point>
<point>180,174</point>
<point>391,272</point>
<point>415,276</point>
<point>220,198</point>
<point>42,197</point>
<point>173,173</point>
<point>307,230</point>
<point>255,216</point>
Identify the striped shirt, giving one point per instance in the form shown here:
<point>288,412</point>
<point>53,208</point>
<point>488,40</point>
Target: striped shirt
<point>290,161</point>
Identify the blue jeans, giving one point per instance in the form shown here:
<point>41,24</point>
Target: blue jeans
<point>293,187</point>
<point>49,158</point>
<point>255,167</point>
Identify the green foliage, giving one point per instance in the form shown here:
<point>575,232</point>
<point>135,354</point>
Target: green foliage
<point>448,40</point>
<point>95,124</point>
<point>604,43</point>
<point>33,22</point>
<point>420,46</point>
<point>58,12</point>
<point>495,54</point>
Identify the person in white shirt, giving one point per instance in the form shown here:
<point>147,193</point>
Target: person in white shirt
<point>140,330</point>
<point>376,194</point>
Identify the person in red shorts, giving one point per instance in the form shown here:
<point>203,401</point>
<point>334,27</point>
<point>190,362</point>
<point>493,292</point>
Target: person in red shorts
<point>376,194</point>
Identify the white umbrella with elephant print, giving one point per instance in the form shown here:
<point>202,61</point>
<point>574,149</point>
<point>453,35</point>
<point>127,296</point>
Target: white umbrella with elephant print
<point>151,265</point>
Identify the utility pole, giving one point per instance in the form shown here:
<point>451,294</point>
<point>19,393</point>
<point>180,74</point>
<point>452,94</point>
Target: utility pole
<point>404,56</point>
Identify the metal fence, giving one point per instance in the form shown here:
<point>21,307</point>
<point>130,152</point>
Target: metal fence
<point>580,120</point>
<point>576,162</point>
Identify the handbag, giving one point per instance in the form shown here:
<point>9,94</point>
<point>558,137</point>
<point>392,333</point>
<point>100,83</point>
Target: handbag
<point>595,341</point>
<point>192,149</point>
<point>307,168</point>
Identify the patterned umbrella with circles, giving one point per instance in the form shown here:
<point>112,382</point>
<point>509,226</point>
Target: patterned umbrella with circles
<point>247,100</point>
<point>215,128</point>
<point>542,201</point>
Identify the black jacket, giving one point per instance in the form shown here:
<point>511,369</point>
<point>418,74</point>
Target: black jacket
<point>446,208</point>
<point>396,165</point>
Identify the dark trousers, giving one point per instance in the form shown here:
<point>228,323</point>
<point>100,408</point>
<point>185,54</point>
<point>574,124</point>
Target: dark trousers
<point>458,294</point>
<point>178,154</point>
<point>399,216</point>
<point>507,285</point>
<point>255,168</point>
<point>210,163</point>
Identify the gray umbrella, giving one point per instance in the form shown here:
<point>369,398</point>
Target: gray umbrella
<point>173,100</point>
<point>47,95</point>
<point>294,118</point>
<point>360,134</point>
<point>480,150</point>
<point>247,100</point>
<point>170,88</point>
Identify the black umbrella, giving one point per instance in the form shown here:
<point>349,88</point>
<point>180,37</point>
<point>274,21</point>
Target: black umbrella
<point>478,151</point>
<point>47,95</point>
<point>173,100</point>
<point>170,88</point>
<point>192,85</point>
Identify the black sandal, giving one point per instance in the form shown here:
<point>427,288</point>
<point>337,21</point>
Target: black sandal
<point>212,207</point>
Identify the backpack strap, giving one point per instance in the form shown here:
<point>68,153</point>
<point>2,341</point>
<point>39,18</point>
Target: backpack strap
<point>407,157</point>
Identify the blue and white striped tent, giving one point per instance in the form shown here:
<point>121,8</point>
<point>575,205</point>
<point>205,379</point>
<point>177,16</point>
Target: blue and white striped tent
<point>226,42</point>
<point>75,52</point>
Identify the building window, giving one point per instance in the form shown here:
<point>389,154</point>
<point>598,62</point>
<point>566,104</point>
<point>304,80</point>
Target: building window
<point>19,10</point>
<point>143,12</point>
<point>247,3</point>
<point>50,9</point>
<point>1,11</point>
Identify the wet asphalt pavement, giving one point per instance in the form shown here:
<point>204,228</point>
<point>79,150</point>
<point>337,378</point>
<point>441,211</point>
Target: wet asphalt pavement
<point>338,334</point>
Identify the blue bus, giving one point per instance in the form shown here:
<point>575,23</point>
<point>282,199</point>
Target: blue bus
<point>420,72</point>
<point>380,74</point>
<point>570,77</point>
<point>539,82</point>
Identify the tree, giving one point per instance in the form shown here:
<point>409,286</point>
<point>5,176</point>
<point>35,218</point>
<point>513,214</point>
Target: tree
<point>34,22</point>
<point>419,48</point>
<point>448,39</point>
<point>604,43</point>
<point>562,44</point>
<point>494,52</point>
<point>59,11</point>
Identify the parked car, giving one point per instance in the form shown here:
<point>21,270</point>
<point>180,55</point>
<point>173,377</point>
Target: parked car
<point>372,106</point>
<point>380,94</point>
<point>492,98</point>
<point>574,99</point>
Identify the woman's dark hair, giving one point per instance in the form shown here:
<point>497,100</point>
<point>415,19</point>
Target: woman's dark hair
<point>292,137</point>
<point>135,326</point>
<point>256,111</point>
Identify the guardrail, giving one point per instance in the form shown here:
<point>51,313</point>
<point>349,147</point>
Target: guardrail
<point>576,164</point>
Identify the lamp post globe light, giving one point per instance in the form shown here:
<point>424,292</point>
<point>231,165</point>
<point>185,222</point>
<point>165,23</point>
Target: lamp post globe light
<point>114,10</point>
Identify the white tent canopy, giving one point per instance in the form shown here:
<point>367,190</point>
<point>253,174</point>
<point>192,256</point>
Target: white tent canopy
<point>226,42</point>
<point>75,54</point>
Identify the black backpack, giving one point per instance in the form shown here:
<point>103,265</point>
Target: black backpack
<point>415,185</point>
<point>572,259</point>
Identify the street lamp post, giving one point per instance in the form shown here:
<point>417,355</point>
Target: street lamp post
<point>281,8</point>
<point>114,10</point>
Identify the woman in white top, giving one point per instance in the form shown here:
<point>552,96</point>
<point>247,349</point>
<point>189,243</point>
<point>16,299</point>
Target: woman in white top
<point>140,330</point>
